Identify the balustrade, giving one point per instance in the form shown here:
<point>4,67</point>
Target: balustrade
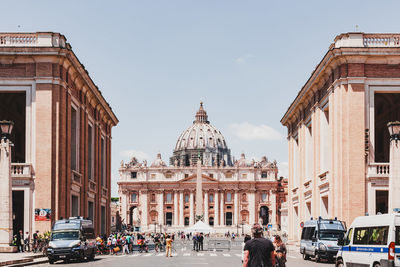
<point>378,170</point>
<point>21,170</point>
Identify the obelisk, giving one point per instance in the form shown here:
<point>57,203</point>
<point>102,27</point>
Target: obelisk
<point>199,191</point>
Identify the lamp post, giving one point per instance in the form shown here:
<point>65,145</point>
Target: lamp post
<point>394,165</point>
<point>242,228</point>
<point>6,223</point>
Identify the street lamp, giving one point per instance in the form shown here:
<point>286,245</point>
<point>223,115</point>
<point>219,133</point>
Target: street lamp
<point>394,130</point>
<point>6,219</point>
<point>6,128</point>
<point>242,227</point>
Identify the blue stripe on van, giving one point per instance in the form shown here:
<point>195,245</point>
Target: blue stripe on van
<point>368,249</point>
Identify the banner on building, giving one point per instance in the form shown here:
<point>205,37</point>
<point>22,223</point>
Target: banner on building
<point>42,214</point>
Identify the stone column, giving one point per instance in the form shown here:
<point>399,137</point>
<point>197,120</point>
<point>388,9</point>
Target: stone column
<point>6,224</point>
<point>199,190</point>
<point>236,208</point>
<point>216,210</point>
<point>161,208</point>
<point>143,208</point>
<point>124,210</point>
<point>222,219</point>
<point>394,175</point>
<point>191,208</point>
<point>206,207</point>
<point>273,208</point>
<point>176,221</point>
<point>252,207</point>
<point>181,218</point>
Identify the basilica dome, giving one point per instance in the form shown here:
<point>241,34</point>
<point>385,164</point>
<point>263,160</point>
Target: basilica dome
<point>201,134</point>
<point>201,139</point>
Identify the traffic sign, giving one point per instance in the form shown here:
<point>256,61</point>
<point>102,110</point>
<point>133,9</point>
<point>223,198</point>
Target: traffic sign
<point>302,224</point>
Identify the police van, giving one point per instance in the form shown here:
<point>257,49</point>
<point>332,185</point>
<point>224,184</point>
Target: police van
<point>72,239</point>
<point>319,238</point>
<point>371,241</point>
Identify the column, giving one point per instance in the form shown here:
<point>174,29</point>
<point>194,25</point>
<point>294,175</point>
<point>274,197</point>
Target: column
<point>394,166</point>
<point>273,206</point>
<point>143,208</point>
<point>221,218</point>
<point>181,218</point>
<point>216,210</point>
<point>176,222</point>
<point>205,207</point>
<point>191,208</point>
<point>252,207</point>
<point>161,208</point>
<point>124,205</point>
<point>236,208</point>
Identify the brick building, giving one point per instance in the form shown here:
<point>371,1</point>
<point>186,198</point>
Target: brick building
<point>337,135</point>
<point>61,159</point>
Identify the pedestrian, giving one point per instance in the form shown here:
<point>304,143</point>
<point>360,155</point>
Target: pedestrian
<point>168,246</point>
<point>125,247</point>
<point>27,240</point>
<point>20,241</point>
<point>259,251</point>
<point>35,240</point>
<point>201,239</point>
<point>246,238</point>
<point>194,239</point>
<point>280,251</point>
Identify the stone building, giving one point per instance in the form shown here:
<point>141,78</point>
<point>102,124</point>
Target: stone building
<point>62,135</point>
<point>337,135</point>
<point>235,193</point>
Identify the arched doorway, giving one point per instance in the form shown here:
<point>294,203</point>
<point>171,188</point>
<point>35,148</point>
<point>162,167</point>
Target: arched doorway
<point>264,215</point>
<point>131,215</point>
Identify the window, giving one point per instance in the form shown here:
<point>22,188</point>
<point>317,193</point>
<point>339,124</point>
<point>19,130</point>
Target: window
<point>75,206</point>
<point>90,210</point>
<point>347,239</point>
<point>228,197</point>
<point>90,152</point>
<point>211,198</point>
<point>244,197</point>
<point>264,197</point>
<point>186,198</point>
<point>211,175</point>
<point>168,175</point>
<point>264,175</point>
<point>74,139</point>
<point>378,235</point>
<point>103,220</point>
<point>169,197</point>
<point>308,233</point>
<point>103,162</point>
<point>228,175</point>
<point>133,175</point>
<point>244,176</point>
<point>153,197</point>
<point>134,197</point>
<point>360,236</point>
<point>397,238</point>
<point>211,207</point>
<point>186,175</point>
<point>153,176</point>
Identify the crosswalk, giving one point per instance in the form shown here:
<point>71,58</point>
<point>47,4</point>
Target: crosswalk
<point>186,254</point>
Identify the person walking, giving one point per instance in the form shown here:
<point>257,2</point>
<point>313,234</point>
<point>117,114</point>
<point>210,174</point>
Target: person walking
<point>20,241</point>
<point>194,239</point>
<point>168,246</point>
<point>246,238</point>
<point>259,251</point>
<point>280,251</point>
<point>27,241</point>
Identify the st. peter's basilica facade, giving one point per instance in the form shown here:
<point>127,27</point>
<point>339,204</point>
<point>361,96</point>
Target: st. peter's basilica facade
<point>236,193</point>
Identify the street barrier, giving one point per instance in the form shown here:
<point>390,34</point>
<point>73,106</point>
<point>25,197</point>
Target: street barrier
<point>219,244</point>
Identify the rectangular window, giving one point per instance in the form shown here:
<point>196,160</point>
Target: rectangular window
<point>186,175</point>
<point>168,175</point>
<point>211,175</point>
<point>244,176</point>
<point>103,220</point>
<point>264,175</point>
<point>347,240</point>
<point>74,139</point>
<point>91,210</point>
<point>378,235</point>
<point>228,175</point>
<point>153,176</point>
<point>361,236</point>
<point>264,197</point>
<point>90,152</point>
<point>75,206</point>
<point>186,198</point>
<point>211,198</point>
<point>228,197</point>
<point>134,197</point>
<point>103,162</point>
<point>169,197</point>
<point>133,175</point>
<point>397,238</point>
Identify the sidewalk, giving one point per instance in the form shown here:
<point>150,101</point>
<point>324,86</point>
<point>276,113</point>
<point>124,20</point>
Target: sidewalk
<point>25,258</point>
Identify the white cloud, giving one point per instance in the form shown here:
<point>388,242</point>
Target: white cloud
<point>249,132</point>
<point>140,155</point>
<point>243,59</point>
<point>283,169</point>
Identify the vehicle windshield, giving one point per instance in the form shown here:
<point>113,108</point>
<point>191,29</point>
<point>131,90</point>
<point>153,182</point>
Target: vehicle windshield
<point>65,235</point>
<point>331,235</point>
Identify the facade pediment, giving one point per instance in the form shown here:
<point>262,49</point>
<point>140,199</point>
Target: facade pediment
<point>193,178</point>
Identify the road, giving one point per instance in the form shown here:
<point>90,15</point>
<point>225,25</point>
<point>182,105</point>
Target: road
<point>184,256</point>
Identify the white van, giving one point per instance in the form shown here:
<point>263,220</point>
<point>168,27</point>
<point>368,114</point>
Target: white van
<point>371,241</point>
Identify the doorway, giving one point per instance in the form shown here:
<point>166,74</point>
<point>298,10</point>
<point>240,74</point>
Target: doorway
<point>381,201</point>
<point>18,211</point>
<point>228,218</point>
<point>168,218</point>
<point>264,215</point>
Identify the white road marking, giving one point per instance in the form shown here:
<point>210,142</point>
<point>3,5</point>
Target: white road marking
<point>239,255</point>
<point>200,254</point>
<point>148,255</point>
<point>160,254</point>
<point>226,255</point>
<point>213,254</point>
<point>293,257</point>
<point>186,254</point>
<point>135,255</point>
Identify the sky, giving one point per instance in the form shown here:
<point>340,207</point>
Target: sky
<point>154,61</point>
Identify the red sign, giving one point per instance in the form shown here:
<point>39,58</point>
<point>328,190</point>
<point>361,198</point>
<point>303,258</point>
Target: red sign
<point>302,224</point>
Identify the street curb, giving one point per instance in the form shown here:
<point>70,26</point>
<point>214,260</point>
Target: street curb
<point>30,263</point>
<point>30,260</point>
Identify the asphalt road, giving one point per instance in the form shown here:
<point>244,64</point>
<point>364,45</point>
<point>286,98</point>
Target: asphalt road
<point>184,256</point>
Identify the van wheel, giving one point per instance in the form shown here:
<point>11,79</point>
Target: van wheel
<point>305,256</point>
<point>339,263</point>
<point>317,257</point>
<point>51,261</point>
<point>377,265</point>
